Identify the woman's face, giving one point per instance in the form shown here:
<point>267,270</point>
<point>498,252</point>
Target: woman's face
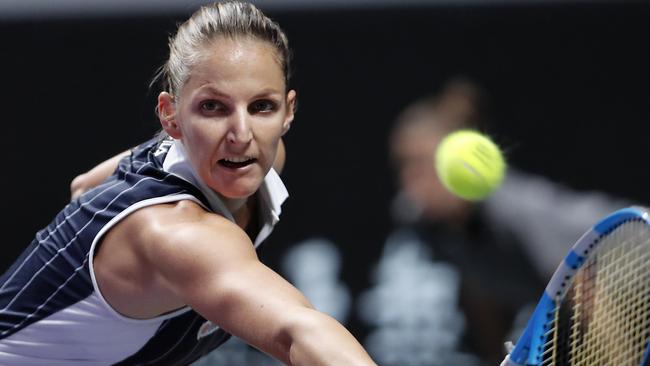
<point>413,150</point>
<point>231,114</point>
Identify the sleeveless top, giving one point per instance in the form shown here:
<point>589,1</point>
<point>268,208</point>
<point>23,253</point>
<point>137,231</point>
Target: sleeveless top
<point>51,310</point>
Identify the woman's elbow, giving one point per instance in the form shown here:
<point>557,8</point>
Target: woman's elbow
<point>78,185</point>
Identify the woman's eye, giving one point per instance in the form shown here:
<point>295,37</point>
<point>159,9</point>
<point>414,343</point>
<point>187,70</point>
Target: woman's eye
<point>212,106</point>
<point>261,106</point>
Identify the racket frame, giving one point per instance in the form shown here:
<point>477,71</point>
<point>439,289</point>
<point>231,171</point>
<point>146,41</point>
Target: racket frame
<point>530,346</point>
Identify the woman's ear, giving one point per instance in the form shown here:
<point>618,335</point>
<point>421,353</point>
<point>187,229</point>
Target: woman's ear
<point>167,115</point>
<point>291,108</point>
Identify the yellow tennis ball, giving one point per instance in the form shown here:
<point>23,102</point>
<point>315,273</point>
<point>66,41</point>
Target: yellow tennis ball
<point>469,164</point>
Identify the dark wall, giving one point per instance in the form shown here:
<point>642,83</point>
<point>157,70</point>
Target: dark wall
<point>568,87</point>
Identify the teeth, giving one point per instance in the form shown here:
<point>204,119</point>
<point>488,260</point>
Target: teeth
<point>240,159</point>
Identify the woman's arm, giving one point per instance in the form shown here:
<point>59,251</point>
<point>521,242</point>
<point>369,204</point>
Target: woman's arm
<point>210,264</point>
<point>95,176</point>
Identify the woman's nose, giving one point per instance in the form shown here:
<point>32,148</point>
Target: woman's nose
<point>240,128</point>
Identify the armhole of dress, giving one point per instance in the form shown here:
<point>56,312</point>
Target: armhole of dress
<point>113,222</point>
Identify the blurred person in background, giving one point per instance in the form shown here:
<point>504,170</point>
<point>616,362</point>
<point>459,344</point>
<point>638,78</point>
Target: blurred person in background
<point>458,278</point>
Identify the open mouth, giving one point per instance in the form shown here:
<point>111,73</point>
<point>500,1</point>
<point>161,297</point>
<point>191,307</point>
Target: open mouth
<point>235,163</point>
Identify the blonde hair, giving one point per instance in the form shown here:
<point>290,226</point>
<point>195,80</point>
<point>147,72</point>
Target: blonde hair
<point>224,19</point>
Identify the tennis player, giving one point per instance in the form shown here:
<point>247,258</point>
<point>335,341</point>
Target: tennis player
<point>157,264</point>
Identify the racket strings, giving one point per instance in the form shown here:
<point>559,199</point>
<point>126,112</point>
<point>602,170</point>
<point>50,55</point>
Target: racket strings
<point>605,315</point>
<point>603,332</point>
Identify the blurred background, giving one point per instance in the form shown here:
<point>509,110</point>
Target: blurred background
<point>564,90</point>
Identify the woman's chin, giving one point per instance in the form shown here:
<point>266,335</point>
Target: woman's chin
<point>237,185</point>
<point>242,190</point>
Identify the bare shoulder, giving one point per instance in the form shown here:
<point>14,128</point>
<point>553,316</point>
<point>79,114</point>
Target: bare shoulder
<point>173,220</point>
<point>152,257</point>
<point>183,234</point>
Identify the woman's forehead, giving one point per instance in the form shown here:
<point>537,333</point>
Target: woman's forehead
<point>239,48</point>
<point>237,62</point>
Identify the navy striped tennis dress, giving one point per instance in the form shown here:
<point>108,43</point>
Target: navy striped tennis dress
<point>51,310</point>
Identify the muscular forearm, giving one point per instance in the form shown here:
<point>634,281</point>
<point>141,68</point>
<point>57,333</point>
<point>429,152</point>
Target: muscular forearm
<point>319,340</point>
<point>233,289</point>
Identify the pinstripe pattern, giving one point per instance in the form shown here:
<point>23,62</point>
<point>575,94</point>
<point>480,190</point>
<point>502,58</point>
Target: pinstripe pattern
<point>52,278</point>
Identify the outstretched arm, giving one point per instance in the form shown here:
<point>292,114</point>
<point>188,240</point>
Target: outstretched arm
<point>210,264</point>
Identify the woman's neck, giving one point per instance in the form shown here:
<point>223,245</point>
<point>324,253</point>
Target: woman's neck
<point>240,208</point>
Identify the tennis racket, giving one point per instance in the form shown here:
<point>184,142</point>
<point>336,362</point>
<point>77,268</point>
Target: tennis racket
<point>596,308</point>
